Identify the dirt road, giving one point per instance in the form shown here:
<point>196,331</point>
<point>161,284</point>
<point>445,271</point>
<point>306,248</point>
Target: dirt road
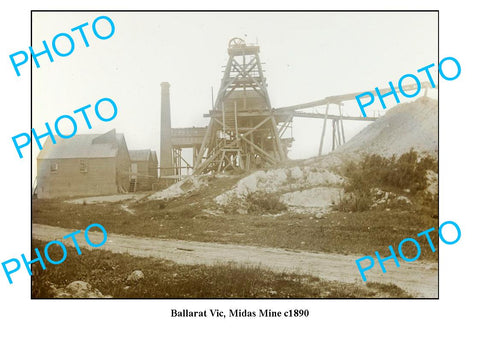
<point>418,278</point>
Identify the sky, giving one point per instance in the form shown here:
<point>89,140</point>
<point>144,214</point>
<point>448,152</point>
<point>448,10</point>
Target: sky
<point>307,56</point>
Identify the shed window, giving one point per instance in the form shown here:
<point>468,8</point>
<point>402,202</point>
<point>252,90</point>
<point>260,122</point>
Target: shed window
<point>83,166</point>
<point>53,166</point>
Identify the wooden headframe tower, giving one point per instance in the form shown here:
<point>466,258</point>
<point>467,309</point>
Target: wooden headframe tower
<point>242,133</point>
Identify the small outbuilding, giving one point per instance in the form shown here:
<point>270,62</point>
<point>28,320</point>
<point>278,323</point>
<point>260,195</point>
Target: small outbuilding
<point>90,164</point>
<point>144,170</point>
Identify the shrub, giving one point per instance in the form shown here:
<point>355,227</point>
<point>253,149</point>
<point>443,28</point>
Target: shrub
<point>264,202</point>
<point>408,172</point>
<point>354,201</point>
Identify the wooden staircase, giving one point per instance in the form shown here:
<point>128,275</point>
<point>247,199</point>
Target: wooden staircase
<point>133,185</point>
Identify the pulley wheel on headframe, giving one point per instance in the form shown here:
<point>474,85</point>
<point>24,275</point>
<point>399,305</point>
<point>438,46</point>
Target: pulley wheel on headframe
<point>236,42</point>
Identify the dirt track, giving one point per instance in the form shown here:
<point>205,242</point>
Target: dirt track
<point>418,278</point>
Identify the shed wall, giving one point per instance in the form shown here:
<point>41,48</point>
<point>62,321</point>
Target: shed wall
<point>69,181</point>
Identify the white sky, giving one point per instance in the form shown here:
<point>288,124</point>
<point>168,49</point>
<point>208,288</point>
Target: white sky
<point>307,57</point>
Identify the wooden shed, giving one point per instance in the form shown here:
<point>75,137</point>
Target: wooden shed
<point>90,164</point>
<point>144,170</point>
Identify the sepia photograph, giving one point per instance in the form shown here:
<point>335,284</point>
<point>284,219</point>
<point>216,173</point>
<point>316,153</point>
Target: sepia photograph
<point>234,154</point>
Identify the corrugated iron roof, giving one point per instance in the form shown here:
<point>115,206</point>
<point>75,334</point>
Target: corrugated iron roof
<point>82,146</point>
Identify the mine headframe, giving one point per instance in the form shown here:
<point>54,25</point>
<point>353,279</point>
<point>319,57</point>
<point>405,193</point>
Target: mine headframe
<point>242,133</point>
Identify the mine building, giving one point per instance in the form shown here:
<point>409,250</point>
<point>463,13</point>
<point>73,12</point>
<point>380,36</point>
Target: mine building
<point>84,165</point>
<point>144,170</point>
